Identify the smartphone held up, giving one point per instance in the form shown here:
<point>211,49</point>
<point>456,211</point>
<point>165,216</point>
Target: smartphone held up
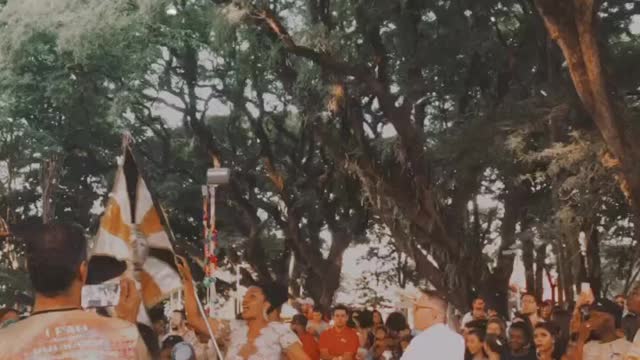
<point>100,295</point>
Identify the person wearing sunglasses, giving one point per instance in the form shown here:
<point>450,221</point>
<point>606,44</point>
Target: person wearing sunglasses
<point>436,340</point>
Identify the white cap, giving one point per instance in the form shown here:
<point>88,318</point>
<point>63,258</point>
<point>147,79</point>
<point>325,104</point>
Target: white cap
<point>307,301</point>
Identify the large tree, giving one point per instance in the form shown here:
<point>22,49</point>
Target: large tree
<point>397,101</point>
<point>451,125</point>
<point>582,29</point>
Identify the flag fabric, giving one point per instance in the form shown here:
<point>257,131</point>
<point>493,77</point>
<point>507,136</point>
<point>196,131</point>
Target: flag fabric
<point>132,221</point>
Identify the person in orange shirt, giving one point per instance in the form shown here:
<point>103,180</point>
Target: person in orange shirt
<point>309,344</point>
<point>339,342</point>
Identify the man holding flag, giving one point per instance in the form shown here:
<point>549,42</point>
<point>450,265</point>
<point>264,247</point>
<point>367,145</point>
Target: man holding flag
<point>58,327</point>
<point>131,231</point>
<point>132,243</point>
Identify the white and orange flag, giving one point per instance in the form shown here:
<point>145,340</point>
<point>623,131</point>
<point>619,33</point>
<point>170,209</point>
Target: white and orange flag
<point>132,217</point>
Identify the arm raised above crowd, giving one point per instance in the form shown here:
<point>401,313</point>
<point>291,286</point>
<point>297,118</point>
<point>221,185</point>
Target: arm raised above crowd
<point>129,303</point>
<point>194,317</point>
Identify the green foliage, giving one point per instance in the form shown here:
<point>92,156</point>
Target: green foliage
<point>192,79</point>
<point>12,282</point>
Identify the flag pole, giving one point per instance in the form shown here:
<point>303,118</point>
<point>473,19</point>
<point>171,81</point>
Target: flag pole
<point>139,245</point>
<point>215,176</point>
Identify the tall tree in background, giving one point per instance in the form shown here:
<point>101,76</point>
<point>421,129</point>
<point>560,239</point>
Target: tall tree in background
<point>575,26</point>
<point>384,75</point>
<point>383,72</point>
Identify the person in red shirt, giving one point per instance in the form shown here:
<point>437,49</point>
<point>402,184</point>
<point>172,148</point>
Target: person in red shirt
<point>339,342</point>
<point>309,344</point>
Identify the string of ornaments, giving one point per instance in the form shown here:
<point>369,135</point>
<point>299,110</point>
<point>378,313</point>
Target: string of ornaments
<point>211,245</point>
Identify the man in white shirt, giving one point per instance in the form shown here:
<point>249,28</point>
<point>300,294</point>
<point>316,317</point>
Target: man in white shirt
<point>436,340</point>
<point>478,311</point>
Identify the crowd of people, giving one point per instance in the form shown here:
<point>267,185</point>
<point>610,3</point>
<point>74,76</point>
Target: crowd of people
<point>58,328</point>
<point>592,328</point>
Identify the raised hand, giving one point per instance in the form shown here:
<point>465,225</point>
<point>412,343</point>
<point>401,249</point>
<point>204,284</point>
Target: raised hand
<point>184,269</point>
<point>129,303</point>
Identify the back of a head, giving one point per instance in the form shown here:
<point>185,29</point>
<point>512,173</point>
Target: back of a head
<point>275,293</point>
<point>396,321</point>
<point>365,319</point>
<point>299,319</point>
<point>54,252</point>
<point>480,325</point>
<point>438,300</point>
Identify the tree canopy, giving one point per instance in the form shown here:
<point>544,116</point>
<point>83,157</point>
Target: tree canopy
<point>458,129</point>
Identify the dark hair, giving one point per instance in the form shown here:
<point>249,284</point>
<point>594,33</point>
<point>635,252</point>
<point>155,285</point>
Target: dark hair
<point>562,318</point>
<point>396,322</point>
<point>340,307</point>
<point>299,319</point>
<point>365,318</point>
<point>554,330</point>
<point>150,340</point>
<point>275,293</point>
<point>379,313</point>
<point>477,325</point>
<point>157,314</point>
<point>478,298</point>
<point>54,252</point>
<point>526,330</point>
<point>630,326</point>
<point>549,326</point>
<point>480,335</point>
<point>171,341</point>
<point>500,322</point>
<point>529,294</point>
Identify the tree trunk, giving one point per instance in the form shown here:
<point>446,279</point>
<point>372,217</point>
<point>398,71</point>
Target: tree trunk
<point>322,282</point>
<point>50,177</point>
<point>561,271</point>
<point>497,291</point>
<point>569,280</point>
<point>541,256</point>
<point>594,270</point>
<point>573,25</point>
<point>528,260</point>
